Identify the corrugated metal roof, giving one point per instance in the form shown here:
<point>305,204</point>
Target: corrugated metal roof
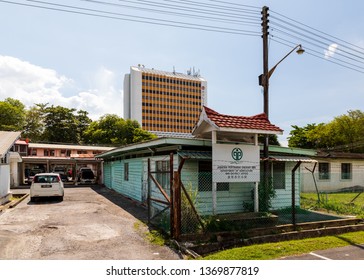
<point>289,158</point>
<point>69,147</point>
<point>7,140</point>
<point>196,154</point>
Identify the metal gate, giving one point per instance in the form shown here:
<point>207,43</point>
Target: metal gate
<point>160,196</point>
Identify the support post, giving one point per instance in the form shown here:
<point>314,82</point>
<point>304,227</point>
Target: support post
<point>176,233</point>
<point>171,223</point>
<point>214,184</point>
<point>256,184</point>
<point>294,194</point>
<point>149,193</point>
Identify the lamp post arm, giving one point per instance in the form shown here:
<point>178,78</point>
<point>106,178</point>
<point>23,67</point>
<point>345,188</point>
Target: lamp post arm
<point>270,72</point>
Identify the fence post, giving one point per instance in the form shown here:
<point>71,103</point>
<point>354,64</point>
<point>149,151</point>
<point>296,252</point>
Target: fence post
<point>294,194</point>
<point>171,210</point>
<point>149,192</point>
<point>176,205</point>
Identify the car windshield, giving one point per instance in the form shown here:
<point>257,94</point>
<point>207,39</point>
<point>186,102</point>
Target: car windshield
<point>87,174</point>
<point>46,179</point>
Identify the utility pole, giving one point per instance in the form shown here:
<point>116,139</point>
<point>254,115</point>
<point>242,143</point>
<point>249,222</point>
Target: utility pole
<point>264,77</point>
<point>264,81</point>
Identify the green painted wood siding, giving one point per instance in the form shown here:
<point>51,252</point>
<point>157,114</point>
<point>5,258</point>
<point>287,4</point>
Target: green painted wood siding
<point>283,197</point>
<point>114,177</point>
<point>231,201</point>
<point>107,174</point>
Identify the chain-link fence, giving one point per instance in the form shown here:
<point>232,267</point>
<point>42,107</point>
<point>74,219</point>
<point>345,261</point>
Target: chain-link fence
<point>200,202</point>
<point>224,206</point>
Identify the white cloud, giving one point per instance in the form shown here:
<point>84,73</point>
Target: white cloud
<point>33,84</point>
<point>331,50</point>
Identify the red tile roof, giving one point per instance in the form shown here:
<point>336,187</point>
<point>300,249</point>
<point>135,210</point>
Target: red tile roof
<point>257,122</point>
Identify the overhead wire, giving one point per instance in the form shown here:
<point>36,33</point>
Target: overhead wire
<point>319,44</point>
<point>133,18</point>
<point>218,7</point>
<point>218,16</point>
<point>318,31</point>
<point>221,19</point>
<point>317,54</point>
<point>173,7</point>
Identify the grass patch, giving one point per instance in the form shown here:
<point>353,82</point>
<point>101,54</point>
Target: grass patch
<point>338,203</point>
<point>155,237</point>
<point>277,250</point>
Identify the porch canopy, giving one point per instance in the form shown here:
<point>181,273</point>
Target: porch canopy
<point>243,132</point>
<point>233,128</point>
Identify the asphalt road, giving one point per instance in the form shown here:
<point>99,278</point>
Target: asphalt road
<point>91,223</point>
<point>353,252</point>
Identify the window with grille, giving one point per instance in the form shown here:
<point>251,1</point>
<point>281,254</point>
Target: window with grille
<point>279,177</point>
<point>324,170</point>
<point>163,173</point>
<point>346,171</point>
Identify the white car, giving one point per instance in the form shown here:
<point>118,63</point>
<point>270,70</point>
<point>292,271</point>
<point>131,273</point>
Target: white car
<point>46,185</point>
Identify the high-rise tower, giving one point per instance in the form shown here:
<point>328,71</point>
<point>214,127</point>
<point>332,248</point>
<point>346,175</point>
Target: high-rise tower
<point>164,103</point>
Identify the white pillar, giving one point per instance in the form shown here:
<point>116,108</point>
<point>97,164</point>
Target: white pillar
<point>214,185</point>
<point>256,184</point>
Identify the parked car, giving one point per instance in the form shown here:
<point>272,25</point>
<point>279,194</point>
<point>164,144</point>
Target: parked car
<point>46,185</point>
<point>86,175</point>
<point>31,175</point>
<point>62,172</point>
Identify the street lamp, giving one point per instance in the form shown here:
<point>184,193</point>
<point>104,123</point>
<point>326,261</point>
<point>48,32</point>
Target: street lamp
<point>264,78</point>
<point>264,82</point>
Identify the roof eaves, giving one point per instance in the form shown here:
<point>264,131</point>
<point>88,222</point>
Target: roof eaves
<point>153,144</point>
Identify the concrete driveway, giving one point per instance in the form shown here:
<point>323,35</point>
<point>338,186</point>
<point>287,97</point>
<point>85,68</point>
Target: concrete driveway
<point>91,223</point>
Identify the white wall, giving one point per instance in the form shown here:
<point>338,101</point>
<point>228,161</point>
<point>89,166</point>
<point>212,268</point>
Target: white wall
<point>334,182</point>
<point>4,181</point>
<point>135,94</point>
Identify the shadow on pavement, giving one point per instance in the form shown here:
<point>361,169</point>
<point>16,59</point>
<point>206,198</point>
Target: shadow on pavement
<point>132,207</point>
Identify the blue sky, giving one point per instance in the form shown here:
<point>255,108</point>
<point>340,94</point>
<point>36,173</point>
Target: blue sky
<point>79,61</point>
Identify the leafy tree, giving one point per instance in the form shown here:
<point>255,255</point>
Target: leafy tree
<point>272,140</point>
<point>111,129</point>
<point>34,124</point>
<point>83,122</point>
<point>12,115</point>
<point>60,125</point>
<point>299,137</point>
<point>344,133</point>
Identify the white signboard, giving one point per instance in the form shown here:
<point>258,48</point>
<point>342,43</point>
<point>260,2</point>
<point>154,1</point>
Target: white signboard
<point>235,163</point>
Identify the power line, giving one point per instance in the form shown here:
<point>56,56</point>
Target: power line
<point>311,38</point>
<point>235,4</point>
<point>256,10</point>
<point>311,42</point>
<point>316,54</point>
<point>217,16</point>
<point>321,32</point>
<point>221,19</point>
<point>191,9</point>
<point>119,16</point>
